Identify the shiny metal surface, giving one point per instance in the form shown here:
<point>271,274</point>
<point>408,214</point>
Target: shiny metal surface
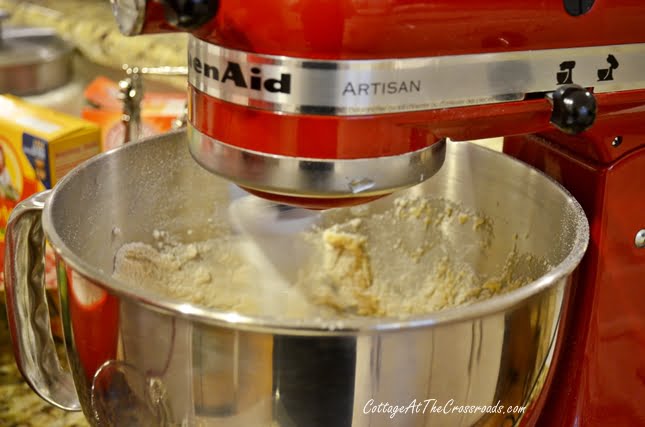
<point>31,337</point>
<point>131,95</point>
<point>639,240</point>
<point>130,15</point>
<point>138,359</point>
<point>131,92</point>
<point>366,87</point>
<point>33,61</point>
<point>315,177</point>
<point>165,71</point>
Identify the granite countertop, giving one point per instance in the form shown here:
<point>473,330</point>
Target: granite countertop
<point>19,405</point>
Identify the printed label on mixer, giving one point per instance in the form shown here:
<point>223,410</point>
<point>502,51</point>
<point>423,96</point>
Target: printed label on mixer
<point>375,88</point>
<point>382,86</point>
<point>565,76</point>
<point>607,74</point>
<point>233,73</point>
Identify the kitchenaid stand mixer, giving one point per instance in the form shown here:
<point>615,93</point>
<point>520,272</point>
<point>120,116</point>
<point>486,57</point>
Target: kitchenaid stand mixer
<point>327,103</point>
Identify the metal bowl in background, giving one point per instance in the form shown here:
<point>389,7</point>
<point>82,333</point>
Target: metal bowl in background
<point>139,359</point>
<point>33,61</point>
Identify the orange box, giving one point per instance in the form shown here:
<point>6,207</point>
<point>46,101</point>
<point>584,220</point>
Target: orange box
<point>158,111</point>
<point>38,147</point>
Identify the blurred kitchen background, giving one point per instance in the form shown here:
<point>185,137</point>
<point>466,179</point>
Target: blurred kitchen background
<point>100,50</point>
<point>90,91</point>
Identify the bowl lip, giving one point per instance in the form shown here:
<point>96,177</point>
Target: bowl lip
<point>316,327</point>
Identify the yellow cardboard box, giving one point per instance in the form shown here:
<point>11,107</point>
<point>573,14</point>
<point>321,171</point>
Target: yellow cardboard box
<point>38,147</point>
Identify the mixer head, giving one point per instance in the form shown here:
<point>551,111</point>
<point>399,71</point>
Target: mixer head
<point>327,103</point>
<point>284,128</point>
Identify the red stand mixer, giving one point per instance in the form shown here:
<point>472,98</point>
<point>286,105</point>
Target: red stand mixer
<point>327,103</point>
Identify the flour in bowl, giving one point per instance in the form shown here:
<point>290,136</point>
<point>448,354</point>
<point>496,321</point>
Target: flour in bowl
<point>212,274</point>
<point>400,262</point>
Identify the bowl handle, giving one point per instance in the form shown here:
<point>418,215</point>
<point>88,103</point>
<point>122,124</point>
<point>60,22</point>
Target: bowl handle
<point>27,310</point>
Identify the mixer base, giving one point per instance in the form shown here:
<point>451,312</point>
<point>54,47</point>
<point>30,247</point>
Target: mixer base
<point>598,377</point>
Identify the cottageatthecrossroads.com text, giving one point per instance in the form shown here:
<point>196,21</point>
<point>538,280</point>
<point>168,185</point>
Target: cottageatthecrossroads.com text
<point>433,406</point>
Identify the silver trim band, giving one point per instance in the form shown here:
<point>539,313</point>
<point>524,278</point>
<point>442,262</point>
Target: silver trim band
<point>315,178</point>
<point>364,87</point>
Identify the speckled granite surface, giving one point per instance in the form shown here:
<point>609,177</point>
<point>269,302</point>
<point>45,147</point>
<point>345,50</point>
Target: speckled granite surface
<point>19,405</point>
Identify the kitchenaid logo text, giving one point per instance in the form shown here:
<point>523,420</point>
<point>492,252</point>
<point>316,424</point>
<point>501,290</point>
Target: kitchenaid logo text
<point>435,407</point>
<point>232,73</point>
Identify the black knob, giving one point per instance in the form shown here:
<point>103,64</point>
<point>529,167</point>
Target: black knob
<point>578,7</point>
<point>574,109</point>
<point>190,14</point>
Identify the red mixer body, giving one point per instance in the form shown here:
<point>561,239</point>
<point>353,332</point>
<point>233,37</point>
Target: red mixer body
<point>599,376</point>
<point>332,29</point>
<point>599,379</point>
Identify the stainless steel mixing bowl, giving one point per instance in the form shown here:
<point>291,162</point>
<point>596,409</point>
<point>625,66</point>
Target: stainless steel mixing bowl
<point>137,359</point>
